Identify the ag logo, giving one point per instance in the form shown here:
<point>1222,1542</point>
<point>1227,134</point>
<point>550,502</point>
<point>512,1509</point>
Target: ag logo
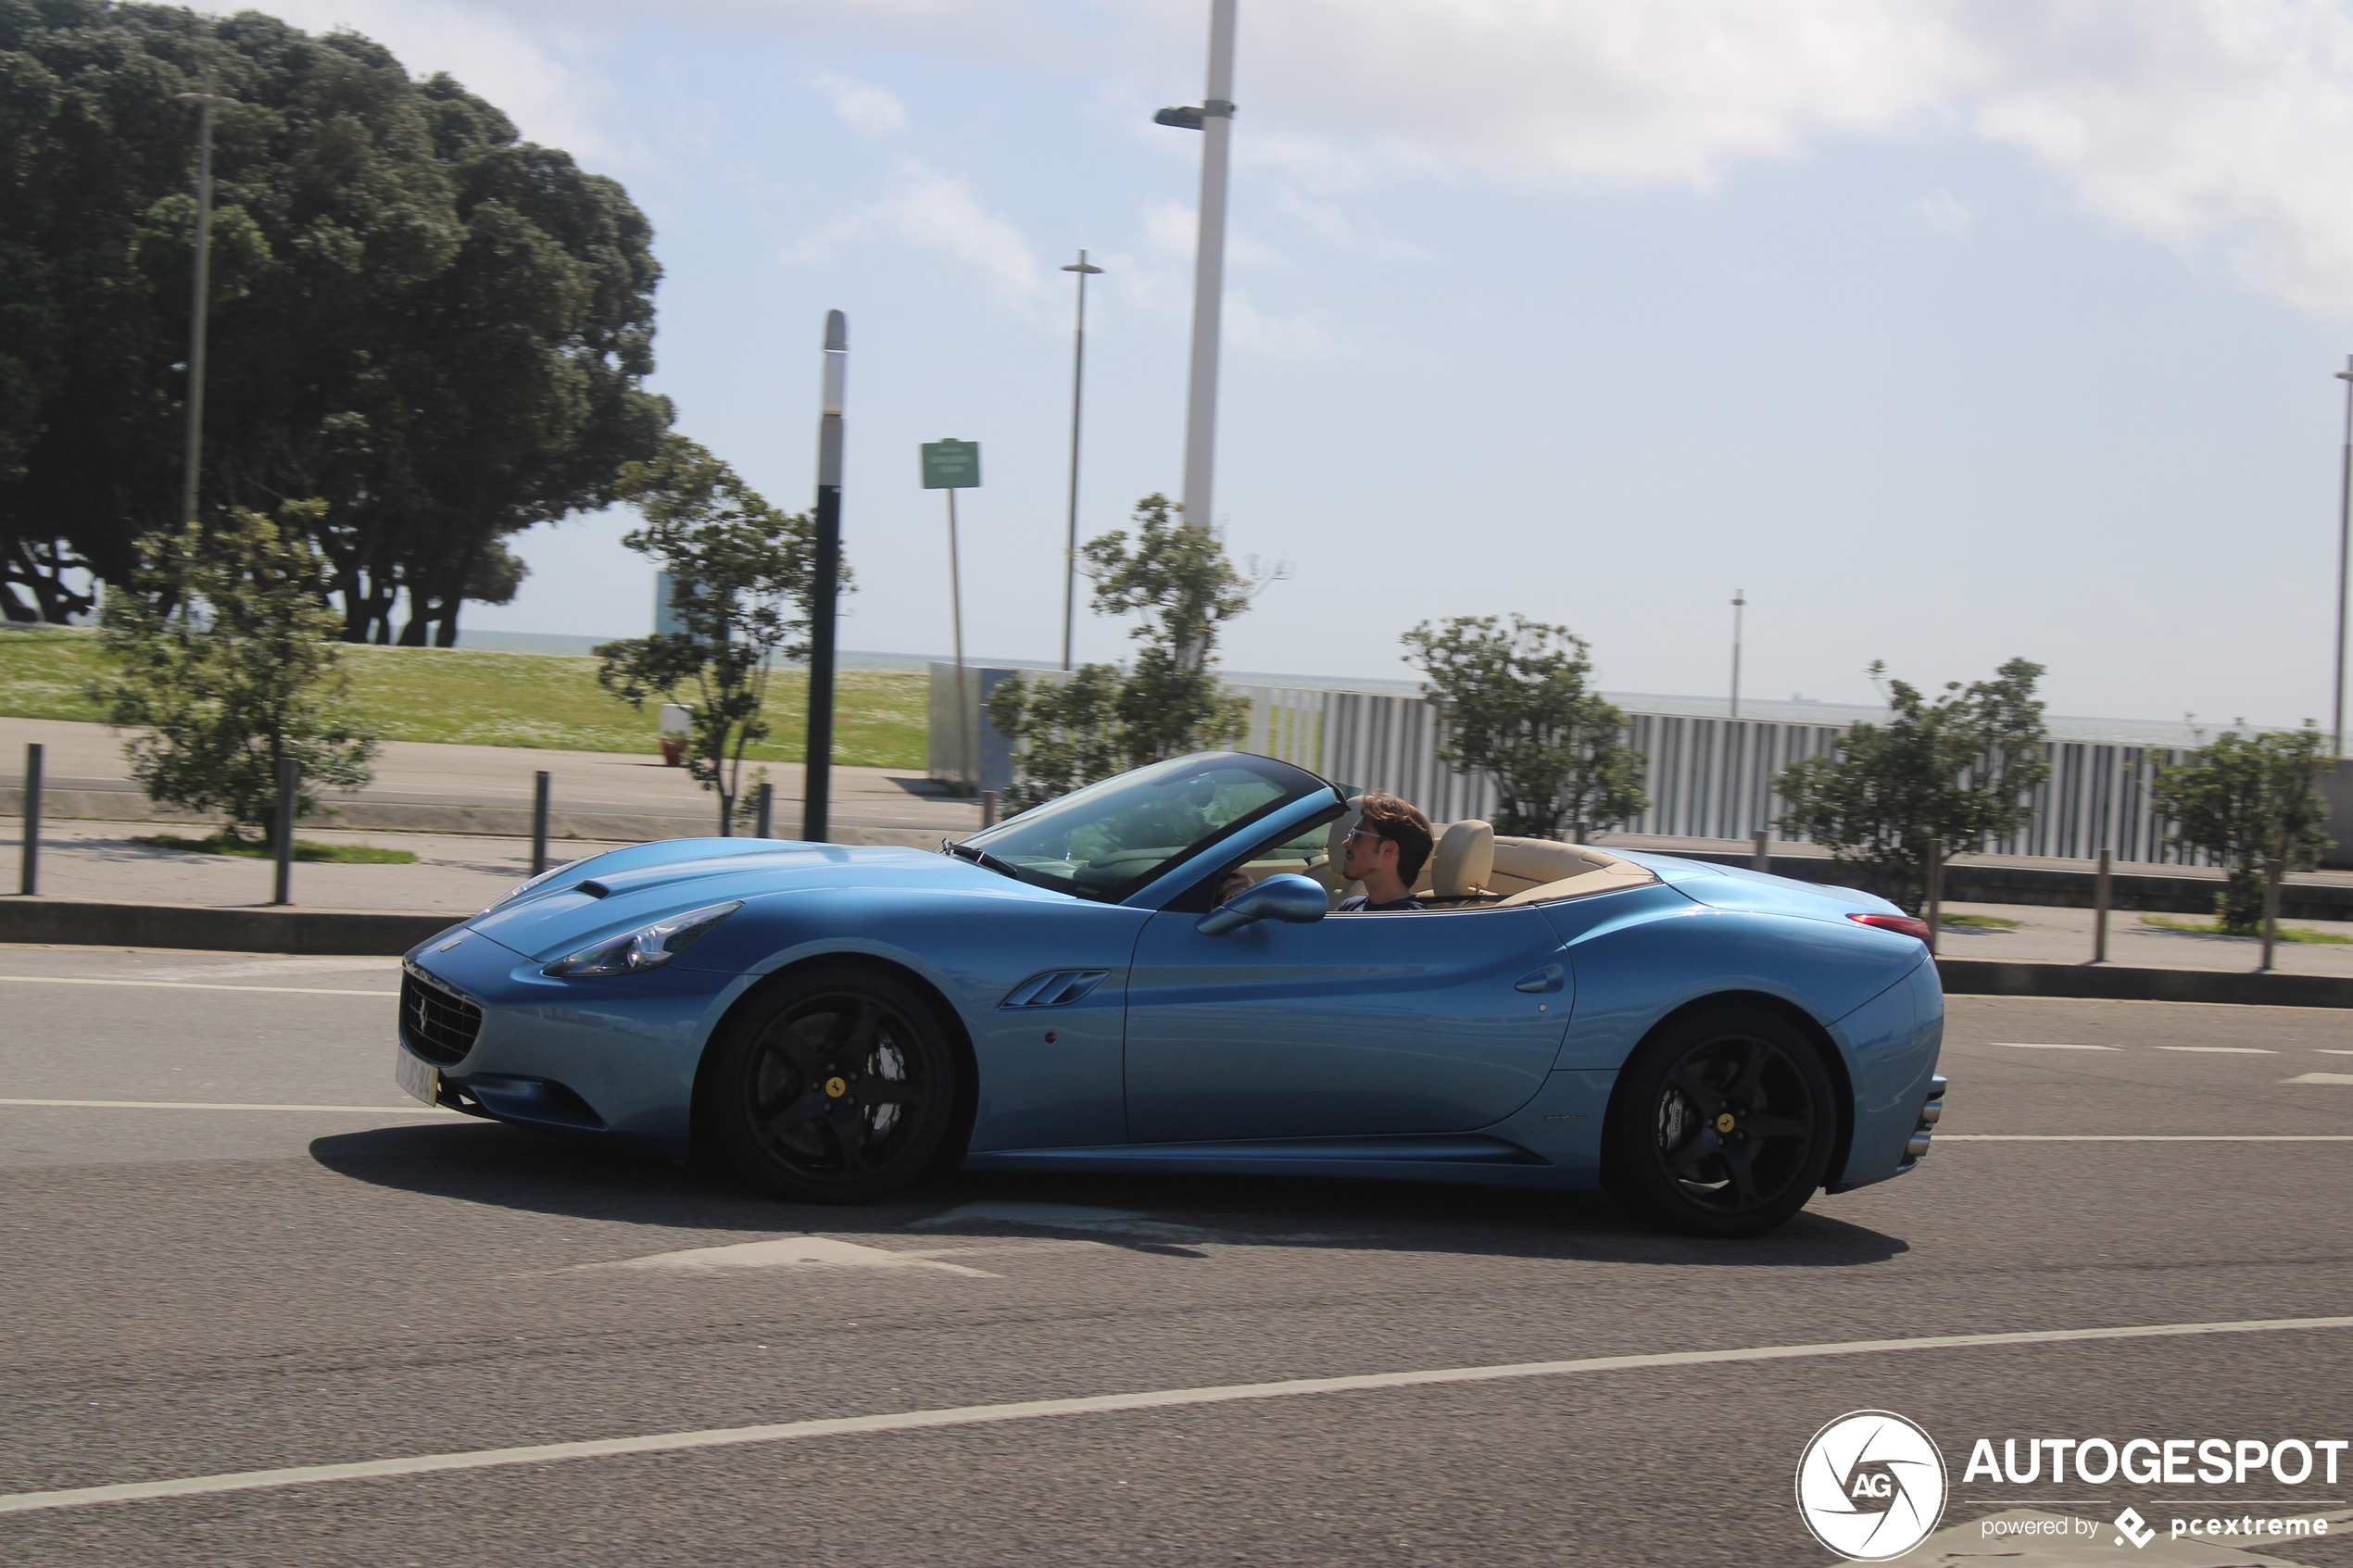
<point>1870,1486</point>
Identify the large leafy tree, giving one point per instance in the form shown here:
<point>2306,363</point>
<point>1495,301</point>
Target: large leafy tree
<point>1513,703</point>
<point>1940,778</point>
<point>2248,798</point>
<point>438,328</point>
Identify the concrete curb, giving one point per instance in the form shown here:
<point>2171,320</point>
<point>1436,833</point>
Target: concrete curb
<point>1995,977</point>
<point>83,922</point>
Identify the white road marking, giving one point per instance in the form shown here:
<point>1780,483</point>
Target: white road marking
<point>2222,1051</point>
<point>2145,1137</point>
<point>410,1110</point>
<point>786,1251</point>
<point>2038,1045</point>
<point>1159,1398</point>
<point>2331,1050</point>
<point>2320,1078</point>
<point>189,985</point>
<point>273,966</point>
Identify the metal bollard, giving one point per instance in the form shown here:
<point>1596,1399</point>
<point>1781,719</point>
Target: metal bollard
<point>2103,899</point>
<point>1582,832</point>
<point>989,799</point>
<point>29,879</point>
<point>1761,859</point>
<point>1935,893</point>
<point>763,812</point>
<point>538,823</point>
<point>289,779</point>
<point>2272,871</point>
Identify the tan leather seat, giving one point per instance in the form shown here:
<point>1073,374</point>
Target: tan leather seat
<point>1463,860</point>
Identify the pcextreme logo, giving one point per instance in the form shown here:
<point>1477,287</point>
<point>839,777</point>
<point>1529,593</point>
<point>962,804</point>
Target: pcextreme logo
<point>1870,1486</point>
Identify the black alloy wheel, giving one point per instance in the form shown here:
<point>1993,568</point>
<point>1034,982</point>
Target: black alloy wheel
<point>838,1087</point>
<point>1722,1125</point>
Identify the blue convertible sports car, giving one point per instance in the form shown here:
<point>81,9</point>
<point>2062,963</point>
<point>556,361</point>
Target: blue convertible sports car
<point>1065,992</point>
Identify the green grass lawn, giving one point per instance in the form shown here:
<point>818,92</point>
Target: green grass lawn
<point>2286,933</point>
<point>506,700</point>
<point>304,850</point>
<point>1983,922</point>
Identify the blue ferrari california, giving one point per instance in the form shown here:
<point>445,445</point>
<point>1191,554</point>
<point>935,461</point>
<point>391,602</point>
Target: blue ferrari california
<point>1066,991</point>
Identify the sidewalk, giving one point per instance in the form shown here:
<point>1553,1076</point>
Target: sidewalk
<point>453,874</point>
<point>429,787</point>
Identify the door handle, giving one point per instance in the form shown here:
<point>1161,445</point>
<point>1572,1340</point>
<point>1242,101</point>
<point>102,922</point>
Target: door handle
<point>1549,978</point>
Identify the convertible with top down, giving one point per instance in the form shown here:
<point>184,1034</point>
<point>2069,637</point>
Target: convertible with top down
<point>1064,991</point>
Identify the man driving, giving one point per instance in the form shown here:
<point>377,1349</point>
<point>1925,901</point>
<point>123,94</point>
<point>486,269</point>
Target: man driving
<point>1385,851</point>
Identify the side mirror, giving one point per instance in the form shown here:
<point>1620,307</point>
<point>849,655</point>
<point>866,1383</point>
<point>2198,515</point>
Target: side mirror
<point>1295,900</point>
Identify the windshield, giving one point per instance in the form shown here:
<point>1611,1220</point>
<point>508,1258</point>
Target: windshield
<point>1110,839</point>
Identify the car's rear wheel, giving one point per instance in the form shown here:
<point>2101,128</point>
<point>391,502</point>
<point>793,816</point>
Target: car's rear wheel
<point>1721,1123</point>
<point>837,1087</point>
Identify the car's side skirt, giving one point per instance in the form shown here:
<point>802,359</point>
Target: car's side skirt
<point>1467,1158</point>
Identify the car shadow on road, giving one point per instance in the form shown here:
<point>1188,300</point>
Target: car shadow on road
<point>1170,1216</point>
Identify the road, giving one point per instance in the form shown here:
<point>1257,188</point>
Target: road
<point>195,1289</point>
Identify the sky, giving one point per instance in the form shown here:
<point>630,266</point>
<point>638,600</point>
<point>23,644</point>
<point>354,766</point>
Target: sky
<point>1946,330</point>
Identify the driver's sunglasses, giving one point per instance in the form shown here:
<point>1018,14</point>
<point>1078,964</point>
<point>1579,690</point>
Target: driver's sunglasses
<point>1355,834</point>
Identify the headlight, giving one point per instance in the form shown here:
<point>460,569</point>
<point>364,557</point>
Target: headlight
<point>519,889</point>
<point>648,947</point>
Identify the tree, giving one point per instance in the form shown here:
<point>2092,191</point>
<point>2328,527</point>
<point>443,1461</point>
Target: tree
<point>440,330</point>
<point>1937,779</point>
<point>2245,799</point>
<point>740,584</point>
<point>223,654</point>
<point>1181,587</point>
<point>1512,704</point>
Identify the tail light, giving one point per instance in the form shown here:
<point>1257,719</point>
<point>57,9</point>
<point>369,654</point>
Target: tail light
<point>1906,925</point>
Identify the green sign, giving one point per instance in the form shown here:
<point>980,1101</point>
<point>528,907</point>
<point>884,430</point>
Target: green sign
<point>951,465</point>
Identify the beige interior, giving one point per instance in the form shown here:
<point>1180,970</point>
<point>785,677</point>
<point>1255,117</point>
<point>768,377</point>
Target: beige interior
<point>1471,859</point>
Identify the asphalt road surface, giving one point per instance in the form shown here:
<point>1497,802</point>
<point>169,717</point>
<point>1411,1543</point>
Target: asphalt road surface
<point>249,1257</point>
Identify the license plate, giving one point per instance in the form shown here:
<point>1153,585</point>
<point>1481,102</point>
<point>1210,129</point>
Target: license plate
<point>421,1079</point>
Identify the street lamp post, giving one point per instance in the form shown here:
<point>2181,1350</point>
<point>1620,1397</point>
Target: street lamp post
<point>825,591</point>
<point>1740,602</point>
<point>1215,121</point>
<point>2344,549</point>
<point>201,296</point>
<point>1078,382</point>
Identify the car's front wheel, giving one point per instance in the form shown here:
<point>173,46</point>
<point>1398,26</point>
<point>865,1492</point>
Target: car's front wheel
<point>1721,1123</point>
<point>837,1087</point>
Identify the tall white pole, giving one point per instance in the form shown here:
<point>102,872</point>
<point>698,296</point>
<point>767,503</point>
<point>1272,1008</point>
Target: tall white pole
<point>1209,269</point>
<point>965,722</point>
<point>2344,549</point>
<point>1740,600</point>
<point>1078,386</point>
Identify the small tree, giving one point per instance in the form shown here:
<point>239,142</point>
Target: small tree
<point>223,654</point>
<point>1939,779</point>
<point>1513,705</point>
<point>1180,585</point>
<point>740,584</point>
<point>2245,799</point>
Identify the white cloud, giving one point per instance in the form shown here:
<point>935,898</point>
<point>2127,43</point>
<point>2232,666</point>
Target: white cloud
<point>930,210</point>
<point>865,109</point>
<point>1945,212</point>
<point>1172,229</point>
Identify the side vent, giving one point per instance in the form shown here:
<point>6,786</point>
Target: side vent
<point>1055,988</point>
<point>594,889</point>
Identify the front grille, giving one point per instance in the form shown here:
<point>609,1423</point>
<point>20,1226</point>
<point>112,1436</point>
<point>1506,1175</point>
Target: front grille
<point>1931,1113</point>
<point>437,1024</point>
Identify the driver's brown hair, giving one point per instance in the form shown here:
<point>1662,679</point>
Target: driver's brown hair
<point>1402,823</point>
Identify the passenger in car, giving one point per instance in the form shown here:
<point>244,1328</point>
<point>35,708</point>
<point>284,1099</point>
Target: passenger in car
<point>1386,851</point>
